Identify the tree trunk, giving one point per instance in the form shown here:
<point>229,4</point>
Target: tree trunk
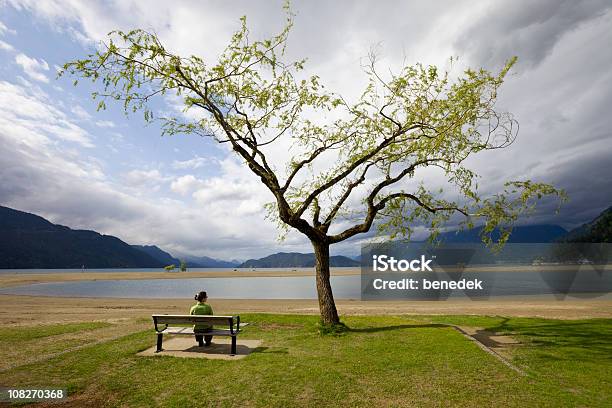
<point>327,306</point>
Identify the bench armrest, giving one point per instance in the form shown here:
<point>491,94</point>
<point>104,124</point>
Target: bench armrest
<point>237,318</point>
<point>156,328</point>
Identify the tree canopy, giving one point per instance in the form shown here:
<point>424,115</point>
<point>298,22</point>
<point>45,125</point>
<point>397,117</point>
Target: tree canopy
<point>349,160</point>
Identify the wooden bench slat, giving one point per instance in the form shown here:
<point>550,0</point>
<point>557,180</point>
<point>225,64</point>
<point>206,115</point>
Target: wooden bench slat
<point>189,331</point>
<point>192,319</point>
<point>179,330</point>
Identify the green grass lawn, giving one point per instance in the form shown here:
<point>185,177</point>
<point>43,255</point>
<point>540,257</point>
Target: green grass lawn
<point>388,361</point>
<point>16,336</point>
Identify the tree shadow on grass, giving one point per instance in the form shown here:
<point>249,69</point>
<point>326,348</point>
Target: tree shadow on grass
<point>397,327</point>
<point>594,336</point>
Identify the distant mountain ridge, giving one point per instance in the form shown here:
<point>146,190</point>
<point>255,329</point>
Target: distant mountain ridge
<point>207,262</point>
<point>30,241</point>
<point>520,234</point>
<point>157,253</point>
<point>598,230</point>
<point>191,260</point>
<point>295,260</point>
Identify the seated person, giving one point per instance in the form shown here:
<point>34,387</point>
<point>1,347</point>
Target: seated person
<point>202,308</point>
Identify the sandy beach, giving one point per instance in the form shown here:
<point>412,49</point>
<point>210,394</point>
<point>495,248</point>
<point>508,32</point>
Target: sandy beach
<point>19,310</point>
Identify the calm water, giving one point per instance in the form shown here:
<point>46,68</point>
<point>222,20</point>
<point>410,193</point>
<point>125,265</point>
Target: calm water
<point>300,287</point>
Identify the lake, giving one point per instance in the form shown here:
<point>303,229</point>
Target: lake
<point>300,287</point>
<point>297,287</point>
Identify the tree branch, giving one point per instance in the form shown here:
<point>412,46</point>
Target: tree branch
<point>350,169</point>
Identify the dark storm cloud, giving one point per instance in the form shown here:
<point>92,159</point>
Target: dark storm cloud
<point>590,183</point>
<point>560,92</point>
<point>527,29</point>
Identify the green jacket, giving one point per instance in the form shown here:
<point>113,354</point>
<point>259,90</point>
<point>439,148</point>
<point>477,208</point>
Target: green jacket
<point>201,308</point>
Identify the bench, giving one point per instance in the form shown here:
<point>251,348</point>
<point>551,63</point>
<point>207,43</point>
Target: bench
<point>163,325</point>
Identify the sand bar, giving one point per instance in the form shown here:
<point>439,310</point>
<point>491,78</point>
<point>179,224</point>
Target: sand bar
<point>17,279</point>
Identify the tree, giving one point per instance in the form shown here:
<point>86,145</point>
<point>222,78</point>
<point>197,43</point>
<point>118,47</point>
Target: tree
<point>169,268</point>
<point>183,266</point>
<point>403,122</point>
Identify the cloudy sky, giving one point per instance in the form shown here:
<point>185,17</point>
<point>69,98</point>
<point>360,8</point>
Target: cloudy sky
<point>104,171</point>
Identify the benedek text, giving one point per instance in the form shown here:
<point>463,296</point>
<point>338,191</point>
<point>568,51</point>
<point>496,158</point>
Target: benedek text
<point>426,284</point>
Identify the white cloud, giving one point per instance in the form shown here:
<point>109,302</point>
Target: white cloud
<point>105,123</point>
<point>219,190</point>
<point>80,112</point>
<point>33,67</point>
<point>29,112</point>
<point>194,163</point>
<point>141,177</point>
<point>4,29</point>
<point>6,46</point>
<point>235,192</point>
<point>185,184</point>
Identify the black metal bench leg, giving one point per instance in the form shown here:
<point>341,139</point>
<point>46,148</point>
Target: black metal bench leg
<point>160,339</point>
<point>233,351</point>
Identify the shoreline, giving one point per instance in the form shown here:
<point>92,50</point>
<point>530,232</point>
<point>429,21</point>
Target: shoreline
<point>19,279</point>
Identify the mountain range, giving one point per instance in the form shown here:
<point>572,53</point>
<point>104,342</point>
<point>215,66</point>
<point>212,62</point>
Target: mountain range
<point>156,253</point>
<point>207,262</point>
<point>30,241</point>
<point>295,260</point>
<point>191,260</point>
<point>520,234</point>
<point>598,230</point>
